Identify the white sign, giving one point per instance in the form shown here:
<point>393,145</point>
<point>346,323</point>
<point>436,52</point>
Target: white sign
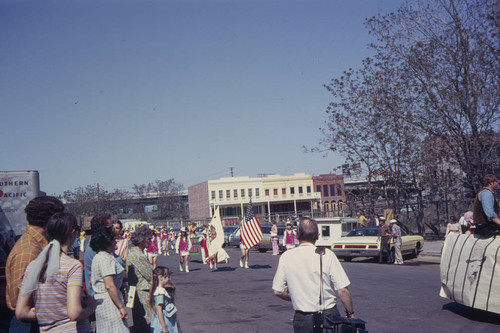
<point>17,188</point>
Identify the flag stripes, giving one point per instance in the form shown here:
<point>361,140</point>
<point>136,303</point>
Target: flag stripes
<point>251,232</point>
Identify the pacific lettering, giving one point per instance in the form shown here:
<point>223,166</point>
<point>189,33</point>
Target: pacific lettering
<point>15,195</point>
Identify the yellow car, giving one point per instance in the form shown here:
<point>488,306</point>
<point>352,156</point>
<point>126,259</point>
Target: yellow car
<point>363,243</point>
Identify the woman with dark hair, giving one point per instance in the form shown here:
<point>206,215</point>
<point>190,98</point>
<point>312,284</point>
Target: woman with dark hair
<point>107,277</point>
<point>54,275</point>
<point>140,275</point>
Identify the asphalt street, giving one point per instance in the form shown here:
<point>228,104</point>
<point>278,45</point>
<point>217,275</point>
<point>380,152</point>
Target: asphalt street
<point>390,298</point>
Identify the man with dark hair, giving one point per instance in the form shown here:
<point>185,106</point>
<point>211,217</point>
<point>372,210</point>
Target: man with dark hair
<point>100,220</point>
<point>297,279</point>
<point>486,209</point>
<point>38,211</point>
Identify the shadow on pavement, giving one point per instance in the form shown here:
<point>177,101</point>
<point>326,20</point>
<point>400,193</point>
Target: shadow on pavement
<point>260,266</point>
<point>472,314</point>
<point>224,269</point>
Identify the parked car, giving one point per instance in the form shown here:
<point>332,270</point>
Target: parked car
<point>265,243</point>
<point>234,238</point>
<point>228,231</point>
<point>363,243</point>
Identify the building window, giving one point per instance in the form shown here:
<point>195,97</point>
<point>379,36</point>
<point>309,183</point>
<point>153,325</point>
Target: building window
<point>339,190</point>
<point>242,192</point>
<point>325,190</point>
<point>228,194</point>
<point>257,192</point>
<point>301,190</point>
<point>332,189</point>
<point>267,192</point>
<point>250,192</point>
<point>235,193</point>
<point>318,188</point>
<point>283,191</point>
<point>275,191</point>
<point>292,190</point>
<point>308,189</point>
<point>220,194</point>
<point>213,195</point>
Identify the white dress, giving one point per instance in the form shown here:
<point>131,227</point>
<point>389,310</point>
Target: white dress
<point>107,314</point>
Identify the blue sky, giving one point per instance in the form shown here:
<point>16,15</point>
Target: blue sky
<point>127,92</point>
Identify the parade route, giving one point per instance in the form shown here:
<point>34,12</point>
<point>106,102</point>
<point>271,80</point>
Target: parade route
<point>390,298</point>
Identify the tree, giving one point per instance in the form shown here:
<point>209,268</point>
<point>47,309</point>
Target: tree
<point>93,199</point>
<point>169,200</point>
<point>450,50</point>
<point>368,123</point>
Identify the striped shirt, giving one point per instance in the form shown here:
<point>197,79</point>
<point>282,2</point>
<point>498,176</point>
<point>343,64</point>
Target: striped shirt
<point>50,297</point>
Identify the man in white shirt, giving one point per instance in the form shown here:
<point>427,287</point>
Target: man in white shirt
<point>297,279</point>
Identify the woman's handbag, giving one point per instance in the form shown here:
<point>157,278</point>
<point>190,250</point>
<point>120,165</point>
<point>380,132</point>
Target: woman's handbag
<point>169,310</point>
<point>330,323</point>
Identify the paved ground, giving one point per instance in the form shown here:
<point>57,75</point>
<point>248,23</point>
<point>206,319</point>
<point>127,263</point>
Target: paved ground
<point>390,298</point>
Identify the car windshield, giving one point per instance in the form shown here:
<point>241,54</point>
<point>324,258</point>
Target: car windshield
<point>363,232</point>
<point>230,229</point>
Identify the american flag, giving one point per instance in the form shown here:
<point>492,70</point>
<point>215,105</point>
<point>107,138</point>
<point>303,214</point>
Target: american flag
<point>251,232</point>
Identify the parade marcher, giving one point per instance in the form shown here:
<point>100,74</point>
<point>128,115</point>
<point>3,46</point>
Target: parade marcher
<point>140,275</point>
<point>453,226</point>
<point>486,208</point>
<point>164,241</point>
<point>289,236</point>
<point>163,310</point>
<point>26,249</point>
<point>106,278</point>
<point>171,239</point>
<point>384,236</point>
<point>153,249</point>
<point>183,247</point>
<point>397,241</point>
<point>192,230</point>
<point>51,291</point>
<point>297,279</point>
<point>275,239</point>
<point>204,248</point>
<point>245,256</point>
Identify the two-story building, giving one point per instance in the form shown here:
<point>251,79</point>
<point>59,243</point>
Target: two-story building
<point>274,197</point>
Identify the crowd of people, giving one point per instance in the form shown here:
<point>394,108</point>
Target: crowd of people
<point>51,291</point>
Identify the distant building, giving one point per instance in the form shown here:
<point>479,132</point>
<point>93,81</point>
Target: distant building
<point>331,187</point>
<point>274,197</point>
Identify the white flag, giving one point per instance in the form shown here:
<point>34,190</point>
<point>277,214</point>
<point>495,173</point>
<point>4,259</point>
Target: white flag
<point>215,234</point>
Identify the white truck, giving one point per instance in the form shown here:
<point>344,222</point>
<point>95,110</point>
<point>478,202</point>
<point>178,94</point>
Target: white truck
<point>333,228</point>
<point>17,188</point>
